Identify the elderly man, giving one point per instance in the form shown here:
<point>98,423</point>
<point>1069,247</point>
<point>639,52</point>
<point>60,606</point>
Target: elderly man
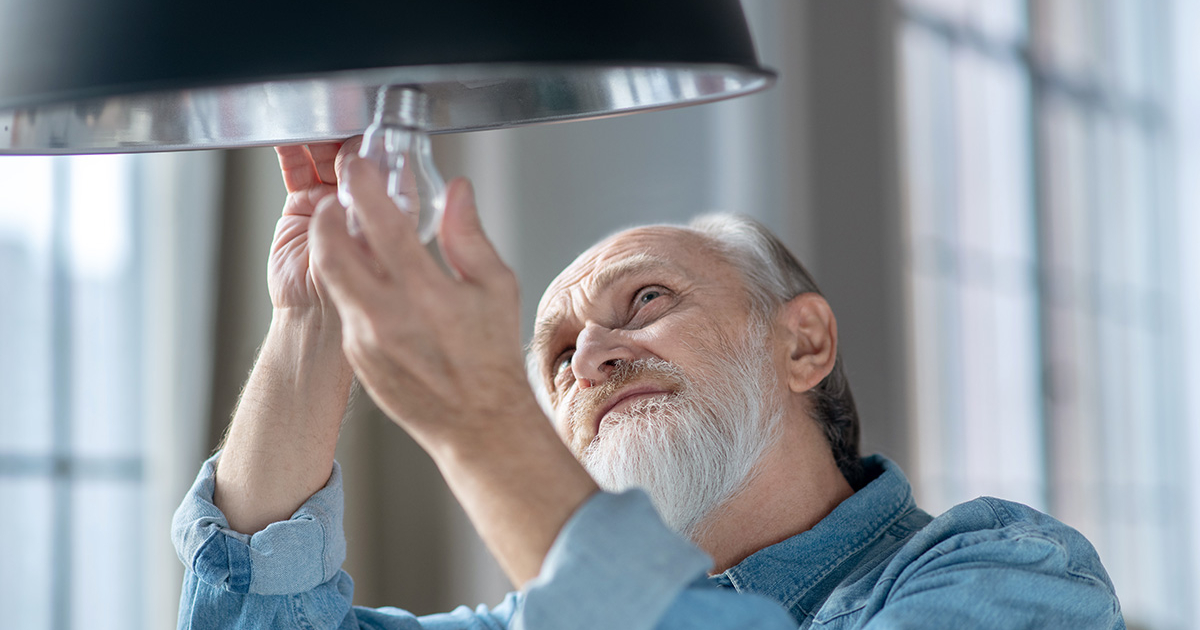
<point>697,363</point>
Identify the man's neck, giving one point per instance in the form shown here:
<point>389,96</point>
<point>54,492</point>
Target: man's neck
<point>795,485</point>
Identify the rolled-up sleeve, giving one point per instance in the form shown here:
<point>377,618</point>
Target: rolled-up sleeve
<point>289,574</point>
<point>289,556</point>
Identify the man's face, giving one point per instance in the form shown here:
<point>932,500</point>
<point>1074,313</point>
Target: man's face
<point>650,293</point>
<point>658,373</point>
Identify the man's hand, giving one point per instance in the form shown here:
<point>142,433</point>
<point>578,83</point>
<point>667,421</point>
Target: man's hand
<point>440,353</point>
<point>309,174</point>
<point>436,350</point>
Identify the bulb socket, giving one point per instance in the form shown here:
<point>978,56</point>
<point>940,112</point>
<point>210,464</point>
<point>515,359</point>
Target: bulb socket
<point>402,105</point>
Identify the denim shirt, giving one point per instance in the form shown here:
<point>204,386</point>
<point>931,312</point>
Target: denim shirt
<point>876,561</point>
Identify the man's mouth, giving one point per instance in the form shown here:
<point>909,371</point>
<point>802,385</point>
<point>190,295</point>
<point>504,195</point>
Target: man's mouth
<point>623,399</point>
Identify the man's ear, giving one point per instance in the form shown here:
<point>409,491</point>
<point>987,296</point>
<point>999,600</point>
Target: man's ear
<point>810,338</point>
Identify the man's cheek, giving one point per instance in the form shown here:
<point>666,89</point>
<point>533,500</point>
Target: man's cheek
<point>563,425</point>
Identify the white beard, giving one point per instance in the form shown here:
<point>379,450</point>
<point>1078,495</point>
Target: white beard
<point>691,451</point>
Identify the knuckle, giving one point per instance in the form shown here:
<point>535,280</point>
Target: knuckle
<point>505,285</point>
<point>505,275</point>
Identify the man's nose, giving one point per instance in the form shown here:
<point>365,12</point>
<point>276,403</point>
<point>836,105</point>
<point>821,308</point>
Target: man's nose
<point>598,350</point>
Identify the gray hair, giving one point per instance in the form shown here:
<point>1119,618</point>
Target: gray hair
<point>773,277</point>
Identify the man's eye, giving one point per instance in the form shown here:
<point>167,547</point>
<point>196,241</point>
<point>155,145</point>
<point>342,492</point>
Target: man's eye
<point>562,363</point>
<point>648,294</point>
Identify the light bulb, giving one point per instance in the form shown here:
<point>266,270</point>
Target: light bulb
<point>397,143</point>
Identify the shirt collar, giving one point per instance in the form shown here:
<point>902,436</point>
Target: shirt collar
<point>794,572</point>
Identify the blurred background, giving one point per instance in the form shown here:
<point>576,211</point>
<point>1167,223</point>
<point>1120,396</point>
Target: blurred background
<point>993,194</point>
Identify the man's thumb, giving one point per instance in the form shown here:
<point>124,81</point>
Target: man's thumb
<point>464,245</point>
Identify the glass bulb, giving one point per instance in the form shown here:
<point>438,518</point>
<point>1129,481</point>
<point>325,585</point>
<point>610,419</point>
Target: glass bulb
<point>398,144</point>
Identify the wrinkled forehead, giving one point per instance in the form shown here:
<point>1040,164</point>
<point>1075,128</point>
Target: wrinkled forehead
<point>653,245</point>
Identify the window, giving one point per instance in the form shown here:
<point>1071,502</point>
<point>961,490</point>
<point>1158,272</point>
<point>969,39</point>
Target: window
<point>68,439</point>
<point>89,388</point>
<point>1044,276</point>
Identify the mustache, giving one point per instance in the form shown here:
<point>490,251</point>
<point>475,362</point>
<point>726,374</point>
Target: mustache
<point>588,402</point>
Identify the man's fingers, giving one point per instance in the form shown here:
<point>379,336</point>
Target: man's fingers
<point>323,156</point>
<point>390,232</point>
<point>347,150</point>
<point>464,245</point>
<point>297,166</point>
<point>339,260</point>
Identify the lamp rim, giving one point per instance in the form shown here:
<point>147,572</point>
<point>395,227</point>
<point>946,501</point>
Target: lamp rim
<point>323,106</point>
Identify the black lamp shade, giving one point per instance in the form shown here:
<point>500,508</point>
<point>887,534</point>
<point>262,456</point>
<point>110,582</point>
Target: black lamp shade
<point>92,76</point>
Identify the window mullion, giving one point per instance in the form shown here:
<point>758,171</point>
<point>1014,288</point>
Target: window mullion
<point>62,395</point>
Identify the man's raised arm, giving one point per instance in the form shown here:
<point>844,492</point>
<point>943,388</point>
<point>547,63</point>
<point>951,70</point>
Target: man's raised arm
<point>280,446</point>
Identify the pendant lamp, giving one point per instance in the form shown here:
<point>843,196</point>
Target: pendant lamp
<point>116,76</point>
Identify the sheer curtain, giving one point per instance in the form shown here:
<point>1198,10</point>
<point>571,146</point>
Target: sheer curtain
<point>1049,284</point>
<point>104,336</point>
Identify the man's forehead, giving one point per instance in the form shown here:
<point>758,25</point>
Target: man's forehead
<point>625,252</point>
